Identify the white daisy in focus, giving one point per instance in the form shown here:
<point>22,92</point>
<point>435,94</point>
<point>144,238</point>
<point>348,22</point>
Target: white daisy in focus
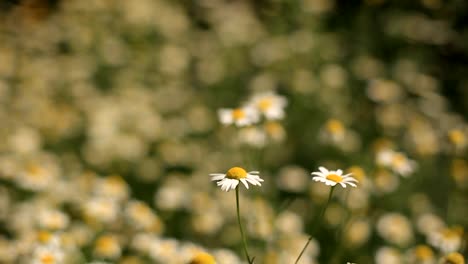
<point>332,178</point>
<point>270,105</point>
<point>233,176</point>
<point>242,116</point>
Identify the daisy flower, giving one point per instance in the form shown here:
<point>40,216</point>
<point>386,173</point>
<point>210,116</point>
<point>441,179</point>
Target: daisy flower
<point>242,116</point>
<point>203,258</point>
<point>421,254</point>
<point>448,239</point>
<point>332,178</point>
<point>229,180</point>
<point>457,138</point>
<point>453,258</point>
<point>397,161</point>
<point>335,130</point>
<point>270,105</point>
<point>47,255</point>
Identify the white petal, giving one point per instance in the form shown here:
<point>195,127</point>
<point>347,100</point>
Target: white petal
<point>223,186</point>
<point>220,182</point>
<point>257,178</point>
<point>217,177</point>
<point>225,116</point>
<point>252,181</point>
<point>234,184</point>
<point>339,172</point>
<point>323,170</point>
<point>350,180</point>
<point>227,185</point>
<point>245,183</point>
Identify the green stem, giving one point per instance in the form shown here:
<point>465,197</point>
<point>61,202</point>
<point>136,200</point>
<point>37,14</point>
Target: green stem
<point>317,224</point>
<point>244,242</point>
<point>339,234</point>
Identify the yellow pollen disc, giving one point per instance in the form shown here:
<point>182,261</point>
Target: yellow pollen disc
<point>115,181</point>
<point>238,114</point>
<point>43,236</point>
<point>454,258</point>
<point>424,252</point>
<point>457,137</point>
<point>236,173</point>
<point>447,233</point>
<point>35,170</point>
<point>334,126</point>
<point>334,177</point>
<point>105,244</point>
<point>264,104</point>
<point>142,209</point>
<point>48,259</point>
<point>398,160</point>
<point>203,258</point>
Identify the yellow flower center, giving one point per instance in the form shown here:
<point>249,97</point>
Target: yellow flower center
<point>238,114</point>
<point>35,171</point>
<point>265,103</point>
<point>43,236</point>
<point>448,233</point>
<point>106,245</point>
<point>424,253</point>
<point>454,258</point>
<point>47,259</point>
<point>334,177</point>
<point>141,209</point>
<point>457,137</point>
<point>203,258</point>
<point>451,233</point>
<point>398,160</point>
<point>115,182</point>
<point>236,173</point>
<point>334,126</point>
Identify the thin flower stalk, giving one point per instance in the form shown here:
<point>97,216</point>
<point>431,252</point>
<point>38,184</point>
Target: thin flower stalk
<point>244,240</point>
<point>318,223</point>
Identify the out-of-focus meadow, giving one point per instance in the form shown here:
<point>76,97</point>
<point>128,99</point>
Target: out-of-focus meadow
<point>113,113</point>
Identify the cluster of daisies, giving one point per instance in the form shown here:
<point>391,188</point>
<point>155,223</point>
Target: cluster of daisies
<point>442,242</point>
<point>75,94</point>
<point>257,119</point>
<point>395,228</point>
